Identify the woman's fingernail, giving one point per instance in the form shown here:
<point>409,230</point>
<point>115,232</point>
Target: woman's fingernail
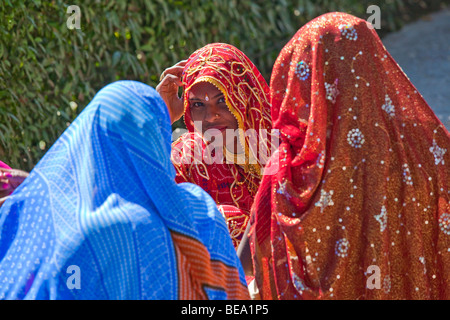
<point>9,175</point>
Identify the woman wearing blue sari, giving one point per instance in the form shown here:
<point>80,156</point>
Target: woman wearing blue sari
<point>101,217</point>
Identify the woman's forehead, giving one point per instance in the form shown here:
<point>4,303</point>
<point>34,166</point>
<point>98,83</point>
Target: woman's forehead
<point>201,88</point>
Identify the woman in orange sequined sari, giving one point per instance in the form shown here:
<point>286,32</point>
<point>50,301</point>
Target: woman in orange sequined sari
<point>359,208</point>
<point>224,93</point>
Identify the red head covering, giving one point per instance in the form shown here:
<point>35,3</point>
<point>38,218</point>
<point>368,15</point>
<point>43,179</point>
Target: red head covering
<point>245,90</point>
<point>360,206</point>
<point>231,185</point>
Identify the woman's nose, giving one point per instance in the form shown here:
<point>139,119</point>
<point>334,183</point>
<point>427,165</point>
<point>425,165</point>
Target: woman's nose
<point>212,112</point>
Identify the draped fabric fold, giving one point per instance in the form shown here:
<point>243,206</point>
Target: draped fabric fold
<point>101,217</point>
<point>4,165</point>
<point>359,208</point>
<point>232,185</point>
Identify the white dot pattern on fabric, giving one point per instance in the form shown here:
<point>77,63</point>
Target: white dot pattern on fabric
<point>104,199</point>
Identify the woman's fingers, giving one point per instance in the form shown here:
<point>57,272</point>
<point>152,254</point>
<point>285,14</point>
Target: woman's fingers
<point>170,82</point>
<point>171,77</point>
<point>168,90</point>
<point>175,70</point>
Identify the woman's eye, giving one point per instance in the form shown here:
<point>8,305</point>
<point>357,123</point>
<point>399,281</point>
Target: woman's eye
<point>221,100</point>
<point>197,105</point>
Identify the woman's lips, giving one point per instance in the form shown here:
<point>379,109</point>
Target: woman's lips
<point>220,128</point>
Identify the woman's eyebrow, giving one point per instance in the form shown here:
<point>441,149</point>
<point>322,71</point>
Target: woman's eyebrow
<point>218,95</point>
<point>200,99</point>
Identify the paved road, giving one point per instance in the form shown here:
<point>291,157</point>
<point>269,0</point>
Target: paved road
<point>422,49</point>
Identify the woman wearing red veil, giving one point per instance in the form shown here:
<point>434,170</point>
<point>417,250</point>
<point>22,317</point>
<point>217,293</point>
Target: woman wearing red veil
<point>359,208</point>
<point>224,94</point>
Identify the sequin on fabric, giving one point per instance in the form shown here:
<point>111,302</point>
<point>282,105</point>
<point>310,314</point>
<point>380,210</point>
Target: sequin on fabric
<point>231,185</point>
<point>362,190</point>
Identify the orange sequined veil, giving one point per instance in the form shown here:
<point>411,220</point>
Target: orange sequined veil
<point>246,92</point>
<point>360,206</point>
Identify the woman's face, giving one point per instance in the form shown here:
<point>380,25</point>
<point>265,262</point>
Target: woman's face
<point>209,108</point>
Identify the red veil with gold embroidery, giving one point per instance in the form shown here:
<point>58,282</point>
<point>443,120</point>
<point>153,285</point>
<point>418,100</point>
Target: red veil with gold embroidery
<point>232,186</point>
<point>360,206</point>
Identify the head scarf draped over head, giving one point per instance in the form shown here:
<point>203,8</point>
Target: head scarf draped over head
<point>362,188</point>
<point>102,205</point>
<point>231,185</point>
<point>245,90</point>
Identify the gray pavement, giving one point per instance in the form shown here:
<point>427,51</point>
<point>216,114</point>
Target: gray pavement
<point>422,49</point>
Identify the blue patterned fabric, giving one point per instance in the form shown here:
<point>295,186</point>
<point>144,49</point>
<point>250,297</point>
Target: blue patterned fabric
<point>93,219</point>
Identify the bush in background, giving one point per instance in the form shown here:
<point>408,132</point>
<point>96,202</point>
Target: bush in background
<point>48,73</point>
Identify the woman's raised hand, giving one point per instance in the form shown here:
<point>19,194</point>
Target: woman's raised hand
<point>168,86</point>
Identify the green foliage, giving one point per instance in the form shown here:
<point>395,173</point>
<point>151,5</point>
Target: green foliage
<point>48,73</point>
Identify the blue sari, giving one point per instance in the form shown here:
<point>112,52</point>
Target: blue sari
<point>101,217</point>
